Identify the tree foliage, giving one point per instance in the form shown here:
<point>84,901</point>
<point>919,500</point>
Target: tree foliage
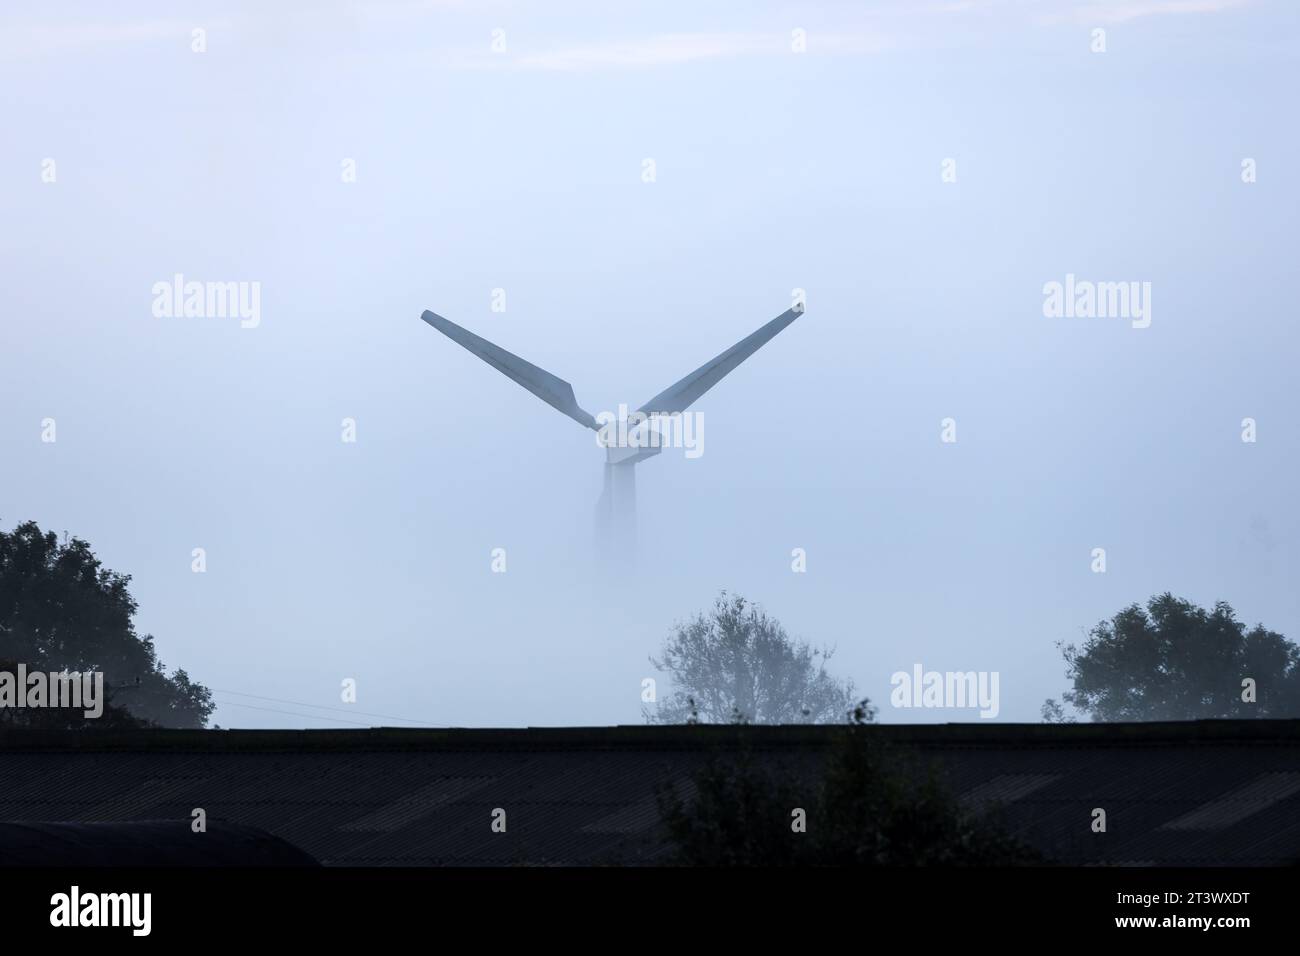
<point>1173,660</point>
<point>63,718</point>
<point>60,609</point>
<point>870,805</point>
<point>736,664</point>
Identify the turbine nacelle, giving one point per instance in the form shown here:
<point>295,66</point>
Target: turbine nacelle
<point>628,455</point>
<point>630,438</point>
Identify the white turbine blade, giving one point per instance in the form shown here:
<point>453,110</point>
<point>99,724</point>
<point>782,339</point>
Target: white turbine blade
<point>677,397</point>
<point>554,391</point>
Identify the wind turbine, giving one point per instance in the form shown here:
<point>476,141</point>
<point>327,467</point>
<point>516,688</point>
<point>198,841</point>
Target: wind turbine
<point>616,510</point>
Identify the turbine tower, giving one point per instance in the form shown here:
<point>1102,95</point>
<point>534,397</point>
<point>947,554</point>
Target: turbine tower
<point>616,510</point>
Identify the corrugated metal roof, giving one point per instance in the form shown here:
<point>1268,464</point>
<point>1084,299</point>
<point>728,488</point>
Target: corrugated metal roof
<point>1240,803</point>
<point>1007,788</point>
<point>1212,792</point>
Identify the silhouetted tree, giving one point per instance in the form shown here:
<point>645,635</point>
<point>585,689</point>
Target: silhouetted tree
<point>869,805</point>
<point>1175,661</point>
<point>736,664</point>
<point>60,609</point>
<point>62,718</point>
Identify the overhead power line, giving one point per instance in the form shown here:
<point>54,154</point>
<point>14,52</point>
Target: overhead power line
<point>341,710</point>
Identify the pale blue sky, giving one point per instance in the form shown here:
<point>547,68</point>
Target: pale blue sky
<point>775,170</point>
